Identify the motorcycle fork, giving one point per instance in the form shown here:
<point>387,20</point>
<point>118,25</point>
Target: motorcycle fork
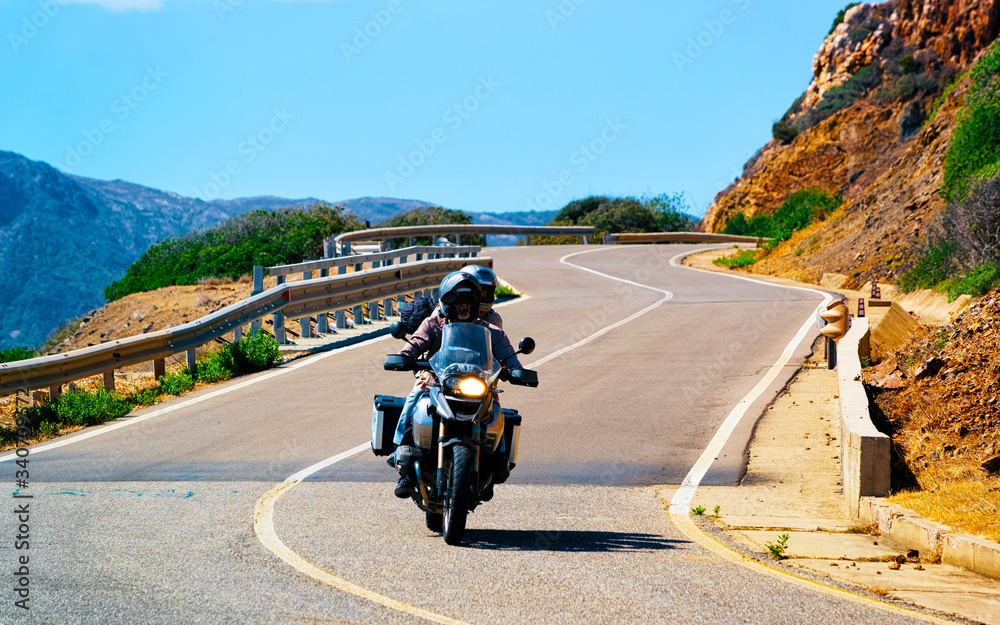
<point>440,474</point>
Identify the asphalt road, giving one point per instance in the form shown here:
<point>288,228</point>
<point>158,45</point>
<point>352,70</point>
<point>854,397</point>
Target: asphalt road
<point>152,522</point>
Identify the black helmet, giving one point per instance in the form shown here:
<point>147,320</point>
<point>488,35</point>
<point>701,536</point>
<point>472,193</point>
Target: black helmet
<point>459,288</point>
<point>487,282</point>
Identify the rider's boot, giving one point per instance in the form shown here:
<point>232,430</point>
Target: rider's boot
<point>405,456</point>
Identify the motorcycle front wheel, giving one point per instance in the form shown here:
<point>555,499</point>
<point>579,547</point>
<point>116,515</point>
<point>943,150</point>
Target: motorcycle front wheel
<point>456,505</point>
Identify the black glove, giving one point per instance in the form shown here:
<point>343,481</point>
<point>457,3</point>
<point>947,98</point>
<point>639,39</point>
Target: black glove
<point>505,374</point>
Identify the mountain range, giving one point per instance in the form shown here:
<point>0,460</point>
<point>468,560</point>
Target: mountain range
<point>63,238</point>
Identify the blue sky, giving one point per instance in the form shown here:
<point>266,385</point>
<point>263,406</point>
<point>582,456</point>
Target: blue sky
<point>482,105</point>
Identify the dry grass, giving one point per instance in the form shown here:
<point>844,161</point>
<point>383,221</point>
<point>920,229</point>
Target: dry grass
<point>971,506</point>
<point>878,591</point>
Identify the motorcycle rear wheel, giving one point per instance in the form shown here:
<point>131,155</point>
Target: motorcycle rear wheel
<point>435,521</point>
<point>456,505</point>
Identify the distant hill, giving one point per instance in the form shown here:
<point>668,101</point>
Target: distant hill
<point>64,238</point>
<point>522,218</point>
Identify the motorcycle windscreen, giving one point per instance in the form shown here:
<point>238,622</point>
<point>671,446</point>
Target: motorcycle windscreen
<point>465,348</point>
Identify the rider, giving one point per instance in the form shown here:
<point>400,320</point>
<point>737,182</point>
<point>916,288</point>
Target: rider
<point>488,283</point>
<point>460,302</point>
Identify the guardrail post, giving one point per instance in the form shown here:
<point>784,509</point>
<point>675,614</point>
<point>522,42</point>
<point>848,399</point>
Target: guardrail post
<point>279,320</point>
<point>54,393</point>
<point>160,367</point>
<point>305,323</point>
<point>585,242</point>
<point>340,320</point>
<point>458,239</point>
<point>192,362</point>
<point>237,334</point>
<point>607,238</point>
<point>322,323</point>
<point>258,288</point>
<point>410,242</point>
<point>359,319</point>
<point>400,303</point>
<point>109,380</point>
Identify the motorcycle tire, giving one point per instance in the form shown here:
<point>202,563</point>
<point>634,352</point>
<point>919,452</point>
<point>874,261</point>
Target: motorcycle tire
<point>456,505</point>
<point>435,521</point>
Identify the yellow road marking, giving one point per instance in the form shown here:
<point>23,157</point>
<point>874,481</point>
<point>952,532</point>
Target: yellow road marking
<point>687,527</point>
<point>263,526</point>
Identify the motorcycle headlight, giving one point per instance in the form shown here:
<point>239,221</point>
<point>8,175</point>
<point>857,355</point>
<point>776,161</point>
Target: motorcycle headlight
<point>472,387</point>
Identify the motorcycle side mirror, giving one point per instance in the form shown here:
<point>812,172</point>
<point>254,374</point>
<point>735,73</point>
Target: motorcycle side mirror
<point>398,362</point>
<point>397,330</point>
<point>527,345</point>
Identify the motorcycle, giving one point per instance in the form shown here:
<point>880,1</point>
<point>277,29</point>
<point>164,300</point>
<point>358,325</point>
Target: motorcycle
<point>465,443</point>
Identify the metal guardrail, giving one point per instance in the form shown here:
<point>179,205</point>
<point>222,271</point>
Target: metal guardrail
<point>678,237</point>
<point>379,257</point>
<point>344,240</point>
<point>341,264</point>
<point>294,299</point>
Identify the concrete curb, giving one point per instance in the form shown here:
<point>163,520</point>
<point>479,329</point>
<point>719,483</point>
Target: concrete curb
<point>933,540</point>
<point>864,450</point>
<point>865,465</point>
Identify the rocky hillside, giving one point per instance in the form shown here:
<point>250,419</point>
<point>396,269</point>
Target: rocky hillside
<point>873,126</point>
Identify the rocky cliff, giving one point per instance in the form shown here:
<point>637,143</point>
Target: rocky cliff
<point>873,126</point>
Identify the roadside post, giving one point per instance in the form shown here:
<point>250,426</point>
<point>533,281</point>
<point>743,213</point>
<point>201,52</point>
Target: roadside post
<point>836,326</point>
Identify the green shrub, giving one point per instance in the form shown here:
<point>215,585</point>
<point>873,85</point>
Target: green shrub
<point>976,283</point>
<point>232,248</point>
<point>743,258</point>
<point>800,210</point>
<point>908,64</point>
<point>146,397</point>
<point>936,265</point>
<point>784,132</point>
<point>7,435</point>
<point>253,353</point>
<point>176,383</point>
<point>840,17</point>
<point>840,97</point>
<point>48,428</point>
<point>975,144</point>
<point>214,367</point>
<point>661,213</point>
<point>430,216</point>
<point>86,408</point>
<point>504,291</point>
<point>16,353</point>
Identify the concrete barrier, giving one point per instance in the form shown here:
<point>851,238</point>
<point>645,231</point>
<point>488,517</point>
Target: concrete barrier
<point>864,457</point>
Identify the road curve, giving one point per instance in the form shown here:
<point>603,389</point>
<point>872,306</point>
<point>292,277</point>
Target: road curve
<point>152,522</point>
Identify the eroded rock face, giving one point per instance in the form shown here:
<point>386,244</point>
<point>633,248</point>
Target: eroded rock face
<point>856,43</point>
<point>878,153</point>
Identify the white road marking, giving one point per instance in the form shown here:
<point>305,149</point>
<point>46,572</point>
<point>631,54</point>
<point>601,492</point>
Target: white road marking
<point>99,431</point>
<point>685,494</point>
